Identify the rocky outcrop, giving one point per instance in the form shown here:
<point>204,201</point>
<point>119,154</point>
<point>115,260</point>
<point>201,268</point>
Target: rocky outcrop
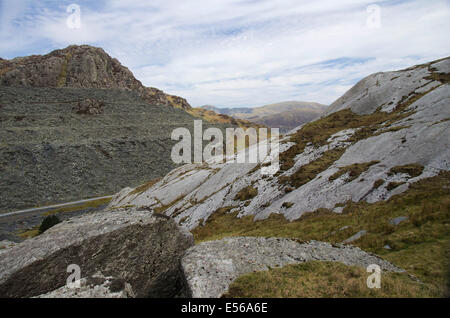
<point>80,67</point>
<point>386,90</point>
<point>129,246</point>
<point>387,132</point>
<point>89,107</point>
<point>209,268</point>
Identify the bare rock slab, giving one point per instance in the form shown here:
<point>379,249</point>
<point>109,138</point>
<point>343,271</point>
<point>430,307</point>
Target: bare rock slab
<point>136,246</point>
<point>210,267</point>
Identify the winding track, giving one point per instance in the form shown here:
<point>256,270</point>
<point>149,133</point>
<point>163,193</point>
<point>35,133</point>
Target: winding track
<point>52,206</point>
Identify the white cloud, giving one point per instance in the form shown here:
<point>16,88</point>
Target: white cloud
<point>244,52</point>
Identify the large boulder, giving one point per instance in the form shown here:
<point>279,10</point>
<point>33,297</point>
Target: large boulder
<point>210,267</point>
<point>137,247</point>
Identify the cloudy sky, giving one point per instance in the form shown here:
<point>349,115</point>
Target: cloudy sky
<point>234,53</point>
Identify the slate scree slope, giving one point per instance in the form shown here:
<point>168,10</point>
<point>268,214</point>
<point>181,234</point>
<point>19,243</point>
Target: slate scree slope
<point>76,124</point>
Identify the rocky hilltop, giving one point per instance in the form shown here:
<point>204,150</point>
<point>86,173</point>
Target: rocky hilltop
<point>80,67</point>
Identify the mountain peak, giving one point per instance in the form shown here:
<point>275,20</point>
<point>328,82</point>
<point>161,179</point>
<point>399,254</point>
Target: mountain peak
<point>81,66</point>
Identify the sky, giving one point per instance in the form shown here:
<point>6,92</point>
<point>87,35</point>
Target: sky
<point>238,53</point>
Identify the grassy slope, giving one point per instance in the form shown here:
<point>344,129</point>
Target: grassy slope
<point>419,245</point>
<point>323,279</point>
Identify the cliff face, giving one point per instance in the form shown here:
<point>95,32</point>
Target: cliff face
<point>80,67</point>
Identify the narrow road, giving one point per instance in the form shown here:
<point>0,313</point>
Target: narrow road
<point>52,206</point>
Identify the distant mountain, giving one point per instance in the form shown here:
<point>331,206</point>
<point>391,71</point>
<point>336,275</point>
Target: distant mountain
<point>219,118</point>
<point>285,115</point>
<point>373,172</point>
<point>228,111</point>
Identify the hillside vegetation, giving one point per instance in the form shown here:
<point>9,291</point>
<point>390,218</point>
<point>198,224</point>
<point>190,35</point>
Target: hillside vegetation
<point>420,244</point>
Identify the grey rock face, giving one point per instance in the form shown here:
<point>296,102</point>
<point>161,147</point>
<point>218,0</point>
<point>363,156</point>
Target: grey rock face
<point>210,267</point>
<point>138,247</point>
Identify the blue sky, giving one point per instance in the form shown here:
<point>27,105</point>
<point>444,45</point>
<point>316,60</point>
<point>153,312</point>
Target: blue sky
<point>235,53</point>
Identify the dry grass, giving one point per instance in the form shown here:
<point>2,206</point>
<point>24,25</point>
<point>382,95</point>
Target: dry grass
<point>173,102</point>
<point>4,70</point>
<point>444,78</point>
<point>414,170</point>
<point>323,279</point>
<point>246,193</point>
<point>354,170</point>
<point>144,187</point>
<point>63,75</point>
<point>86,205</point>
<point>308,172</point>
<point>29,233</point>
<point>378,183</point>
<point>392,185</point>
